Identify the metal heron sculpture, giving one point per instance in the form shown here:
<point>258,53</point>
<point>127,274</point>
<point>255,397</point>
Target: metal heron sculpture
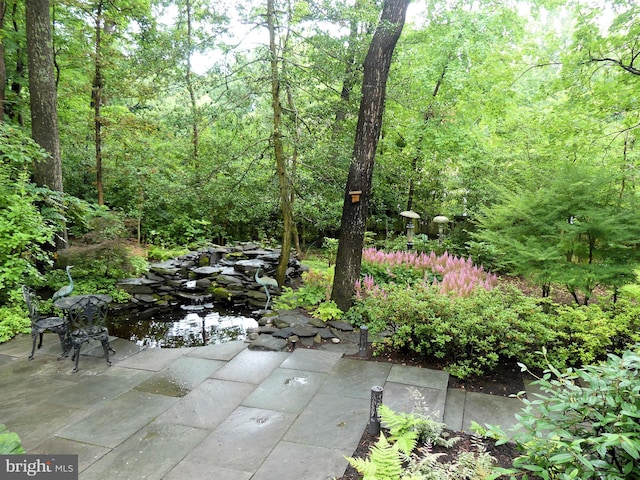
<point>266,282</point>
<point>67,289</point>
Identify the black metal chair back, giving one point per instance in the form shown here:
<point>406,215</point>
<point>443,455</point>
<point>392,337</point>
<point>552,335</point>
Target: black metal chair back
<point>41,323</point>
<point>87,319</point>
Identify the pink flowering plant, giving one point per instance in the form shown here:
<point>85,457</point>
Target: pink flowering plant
<point>447,308</point>
<point>449,273</point>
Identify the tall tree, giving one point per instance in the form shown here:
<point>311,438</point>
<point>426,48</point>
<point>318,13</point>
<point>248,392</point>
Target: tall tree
<point>3,68</point>
<point>354,213</point>
<point>278,147</point>
<point>42,90</point>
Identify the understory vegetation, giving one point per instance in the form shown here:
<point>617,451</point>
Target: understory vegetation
<point>446,308</point>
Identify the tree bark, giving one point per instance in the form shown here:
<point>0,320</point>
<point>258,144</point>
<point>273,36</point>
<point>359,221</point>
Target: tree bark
<point>354,214</point>
<point>96,102</point>
<point>283,181</point>
<point>42,93</point>
<point>42,98</point>
<point>195,139</point>
<point>3,69</point>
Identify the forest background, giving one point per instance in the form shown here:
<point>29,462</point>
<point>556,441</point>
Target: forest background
<point>516,120</point>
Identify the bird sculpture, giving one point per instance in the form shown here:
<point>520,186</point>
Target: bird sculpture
<point>67,289</point>
<point>266,282</point>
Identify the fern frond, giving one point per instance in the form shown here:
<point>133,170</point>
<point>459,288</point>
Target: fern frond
<point>384,462</point>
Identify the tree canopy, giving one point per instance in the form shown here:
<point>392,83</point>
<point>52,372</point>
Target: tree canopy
<point>510,117</point>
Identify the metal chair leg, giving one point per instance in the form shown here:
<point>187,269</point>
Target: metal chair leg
<point>33,348</point>
<point>106,348</point>
<point>76,357</point>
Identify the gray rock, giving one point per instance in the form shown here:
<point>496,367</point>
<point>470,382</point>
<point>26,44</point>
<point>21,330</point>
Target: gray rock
<point>283,332</point>
<point>305,331</point>
<point>344,326</point>
<point>325,333</point>
<point>269,343</point>
<point>206,271</point>
<point>316,322</point>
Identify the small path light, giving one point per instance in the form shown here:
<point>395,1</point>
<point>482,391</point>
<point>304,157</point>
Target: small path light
<point>364,340</point>
<point>410,215</point>
<point>441,221</point>
<point>374,417</point>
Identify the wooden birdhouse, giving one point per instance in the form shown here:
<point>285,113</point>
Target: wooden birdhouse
<point>355,195</point>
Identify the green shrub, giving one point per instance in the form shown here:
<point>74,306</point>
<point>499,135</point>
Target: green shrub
<point>315,289</point>
<point>584,425</point>
<point>471,333</point>
<point>9,442</point>
<point>13,319</point>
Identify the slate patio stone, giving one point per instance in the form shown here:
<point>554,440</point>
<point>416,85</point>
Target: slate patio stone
<point>250,366</point>
<point>354,378</point>
<point>179,378</point>
<point>401,397</point>
<point>331,421</point>
<point>208,405</point>
<point>311,360</point>
<point>148,454</point>
<point>243,440</point>
<point>108,426</point>
<point>293,461</point>
<point>286,390</point>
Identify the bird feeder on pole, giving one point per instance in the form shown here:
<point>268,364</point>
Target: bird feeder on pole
<point>410,215</point>
<point>441,221</point>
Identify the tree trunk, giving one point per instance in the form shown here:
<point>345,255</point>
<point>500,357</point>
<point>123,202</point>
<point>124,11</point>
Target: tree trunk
<point>354,213</point>
<point>3,69</point>
<point>42,95</point>
<point>13,108</point>
<point>44,114</point>
<point>283,181</point>
<point>195,139</point>
<point>96,103</point>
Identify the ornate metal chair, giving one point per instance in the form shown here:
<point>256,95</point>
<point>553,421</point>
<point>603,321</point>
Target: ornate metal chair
<point>41,323</point>
<point>87,318</point>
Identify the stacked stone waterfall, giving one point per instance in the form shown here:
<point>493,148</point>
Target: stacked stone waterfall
<point>219,275</point>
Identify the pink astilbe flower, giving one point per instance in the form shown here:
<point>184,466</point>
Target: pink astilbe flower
<point>459,276</point>
<point>368,288</point>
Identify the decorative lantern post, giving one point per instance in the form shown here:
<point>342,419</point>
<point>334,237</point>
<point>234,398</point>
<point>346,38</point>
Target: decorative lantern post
<point>410,215</point>
<point>441,221</point>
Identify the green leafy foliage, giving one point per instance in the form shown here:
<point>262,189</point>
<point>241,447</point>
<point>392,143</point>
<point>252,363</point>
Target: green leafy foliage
<point>581,230</point>
<point>24,234</point>
<point>10,443</point>
<point>384,462</point>
<point>471,333</point>
<point>395,456</point>
<point>583,425</point>
<point>13,317</point>
<point>314,291</point>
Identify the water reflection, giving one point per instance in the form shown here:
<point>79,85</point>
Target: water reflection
<point>187,330</point>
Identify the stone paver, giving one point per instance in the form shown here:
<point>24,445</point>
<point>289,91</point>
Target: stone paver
<point>149,453</point>
<point>180,377</point>
<point>250,366</point>
<point>114,421</point>
<point>207,406</point>
<point>286,390</point>
<point>354,378</point>
<point>243,440</point>
<point>222,411</point>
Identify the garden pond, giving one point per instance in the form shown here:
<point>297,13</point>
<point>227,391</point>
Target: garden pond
<point>187,326</point>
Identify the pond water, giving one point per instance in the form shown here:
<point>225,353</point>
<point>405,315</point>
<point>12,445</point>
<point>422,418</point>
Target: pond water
<point>190,326</point>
